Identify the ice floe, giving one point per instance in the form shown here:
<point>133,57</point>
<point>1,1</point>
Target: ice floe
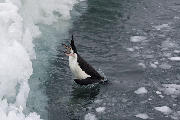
<point>141,90</point>
<point>164,109</point>
<point>163,26</point>
<point>90,116</point>
<point>142,116</point>
<point>165,66</point>
<point>137,38</point>
<point>100,109</point>
<point>171,89</point>
<point>98,101</point>
<point>130,49</point>
<point>158,92</point>
<point>153,65</point>
<point>142,65</point>
<point>174,58</point>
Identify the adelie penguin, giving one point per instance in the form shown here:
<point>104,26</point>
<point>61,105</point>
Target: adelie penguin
<point>84,73</point>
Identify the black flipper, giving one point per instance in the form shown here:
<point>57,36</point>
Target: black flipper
<point>86,81</point>
<point>88,69</point>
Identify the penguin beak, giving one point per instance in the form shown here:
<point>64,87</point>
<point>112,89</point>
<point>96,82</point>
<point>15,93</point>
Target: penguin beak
<point>68,50</point>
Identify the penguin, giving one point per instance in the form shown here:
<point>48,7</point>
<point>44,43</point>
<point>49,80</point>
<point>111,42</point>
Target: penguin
<point>84,73</point>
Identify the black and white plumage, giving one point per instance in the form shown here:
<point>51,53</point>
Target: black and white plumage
<point>84,73</point>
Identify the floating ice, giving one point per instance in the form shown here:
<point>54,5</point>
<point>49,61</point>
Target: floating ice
<point>168,44</point>
<point>164,109</point>
<point>142,116</point>
<point>175,58</point>
<point>165,66</point>
<point>176,51</point>
<point>137,38</point>
<point>171,89</point>
<point>158,92</point>
<point>141,90</point>
<point>98,101</point>
<point>142,65</point>
<point>130,49</point>
<point>176,115</point>
<point>153,65</point>
<point>159,27</point>
<point>90,116</point>
<point>100,109</point>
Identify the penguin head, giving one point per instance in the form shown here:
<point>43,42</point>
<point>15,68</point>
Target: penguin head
<point>70,50</point>
<point>73,46</point>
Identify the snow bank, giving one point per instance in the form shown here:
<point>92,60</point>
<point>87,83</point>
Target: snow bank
<point>142,116</point>
<point>18,21</point>
<point>164,109</point>
<point>141,90</point>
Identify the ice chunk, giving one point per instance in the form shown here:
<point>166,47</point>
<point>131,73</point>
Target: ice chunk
<point>165,66</point>
<point>142,116</point>
<point>100,109</point>
<point>164,109</point>
<point>141,90</point>
<point>153,65</point>
<point>175,58</point>
<point>159,27</point>
<point>171,89</point>
<point>142,65</point>
<point>158,92</point>
<point>98,101</point>
<point>130,49</point>
<point>90,116</point>
<point>137,38</point>
<point>168,44</point>
<point>176,51</point>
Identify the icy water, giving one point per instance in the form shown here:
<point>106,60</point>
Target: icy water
<point>133,43</point>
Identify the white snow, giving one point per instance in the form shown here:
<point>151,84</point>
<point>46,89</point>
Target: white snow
<point>174,58</point>
<point>137,38</point>
<point>100,109</point>
<point>18,21</point>
<point>90,116</point>
<point>164,109</point>
<point>142,116</point>
<point>141,90</point>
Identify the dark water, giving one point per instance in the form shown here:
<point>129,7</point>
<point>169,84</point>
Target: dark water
<point>102,35</point>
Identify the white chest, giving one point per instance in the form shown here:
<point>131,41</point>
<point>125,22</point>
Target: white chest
<point>75,68</point>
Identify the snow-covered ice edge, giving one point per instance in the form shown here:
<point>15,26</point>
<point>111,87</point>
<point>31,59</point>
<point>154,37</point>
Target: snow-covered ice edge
<point>18,21</point>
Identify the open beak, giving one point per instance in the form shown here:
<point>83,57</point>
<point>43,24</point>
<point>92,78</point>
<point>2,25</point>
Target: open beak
<point>68,50</point>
